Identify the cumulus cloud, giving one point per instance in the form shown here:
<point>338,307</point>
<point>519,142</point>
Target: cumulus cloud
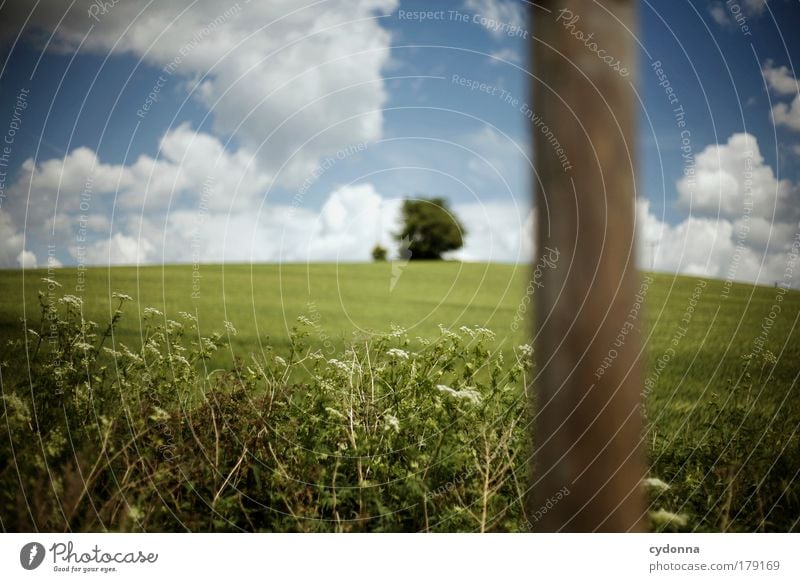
<point>496,232</point>
<point>779,79</point>
<point>742,222</point>
<point>727,179</point>
<point>26,259</point>
<point>190,166</point>
<point>505,54</point>
<point>719,14</point>
<point>782,82</point>
<point>291,81</point>
<point>744,250</point>
<point>501,12</point>
<point>12,249</point>
<point>788,115</point>
<point>726,16</point>
<point>351,221</point>
<point>755,6</point>
<point>118,249</point>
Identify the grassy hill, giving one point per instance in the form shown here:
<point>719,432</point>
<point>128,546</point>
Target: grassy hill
<point>347,300</point>
<point>722,420</point>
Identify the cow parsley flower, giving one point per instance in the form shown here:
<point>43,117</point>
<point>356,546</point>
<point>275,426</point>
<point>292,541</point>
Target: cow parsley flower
<point>305,321</point>
<point>655,483</point>
<point>188,316</point>
<point>662,517</point>
<point>469,394</point>
<point>72,301</point>
<point>339,365</point>
<point>392,422</point>
<point>397,353</point>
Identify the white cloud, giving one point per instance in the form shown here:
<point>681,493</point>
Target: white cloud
<point>742,224</point>
<point>789,116</point>
<point>192,167</point>
<point>283,76</point>
<point>501,12</point>
<point>755,6</point>
<point>26,259</point>
<point>716,247</point>
<point>12,250</point>
<point>730,177</point>
<point>119,249</point>
<point>779,79</point>
<point>505,54</point>
<point>726,16</point>
<point>496,231</point>
<point>351,221</point>
<point>719,14</point>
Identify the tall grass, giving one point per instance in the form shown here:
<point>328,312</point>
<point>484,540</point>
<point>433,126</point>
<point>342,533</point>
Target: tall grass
<point>394,433</point>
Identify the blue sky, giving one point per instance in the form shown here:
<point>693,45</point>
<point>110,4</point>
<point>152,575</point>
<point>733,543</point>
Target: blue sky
<point>284,132</point>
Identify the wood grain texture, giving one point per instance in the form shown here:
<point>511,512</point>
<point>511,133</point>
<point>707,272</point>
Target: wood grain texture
<point>587,436</point>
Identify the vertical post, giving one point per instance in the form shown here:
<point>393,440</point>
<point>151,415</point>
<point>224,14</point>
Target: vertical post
<point>588,422</point>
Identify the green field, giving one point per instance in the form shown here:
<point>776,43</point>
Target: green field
<point>350,300</point>
<point>722,417</point>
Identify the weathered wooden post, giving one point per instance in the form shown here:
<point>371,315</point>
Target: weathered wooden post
<point>588,422</point>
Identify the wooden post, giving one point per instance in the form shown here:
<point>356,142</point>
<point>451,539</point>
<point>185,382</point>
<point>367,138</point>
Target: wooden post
<point>587,438</point>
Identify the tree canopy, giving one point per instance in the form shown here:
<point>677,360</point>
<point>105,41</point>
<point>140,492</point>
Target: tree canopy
<point>430,228</point>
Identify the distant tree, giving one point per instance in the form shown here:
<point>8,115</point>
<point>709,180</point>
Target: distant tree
<point>430,228</point>
<point>379,253</point>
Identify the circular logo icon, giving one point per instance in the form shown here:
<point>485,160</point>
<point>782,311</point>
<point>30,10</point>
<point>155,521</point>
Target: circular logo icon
<point>31,555</point>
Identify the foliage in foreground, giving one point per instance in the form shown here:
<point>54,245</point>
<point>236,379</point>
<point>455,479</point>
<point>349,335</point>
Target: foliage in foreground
<point>102,436</point>
<point>378,439</point>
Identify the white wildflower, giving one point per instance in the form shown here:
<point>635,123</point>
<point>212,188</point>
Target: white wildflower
<point>655,483</point>
<point>180,359</point>
<point>151,349</point>
<point>135,513</point>
<point>469,394</point>
<point>484,331</point>
<point>280,361</point>
<point>229,328</point>
<point>121,296</point>
<point>126,351</point>
<point>159,414</point>
<point>662,517</point>
<point>152,312</point>
<point>173,325</point>
<point>187,315</point>
<point>392,422</point>
<point>526,349</point>
<point>397,353</point>
<point>447,333</point>
<point>305,321</point>
<point>339,365</point>
<point>72,301</point>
